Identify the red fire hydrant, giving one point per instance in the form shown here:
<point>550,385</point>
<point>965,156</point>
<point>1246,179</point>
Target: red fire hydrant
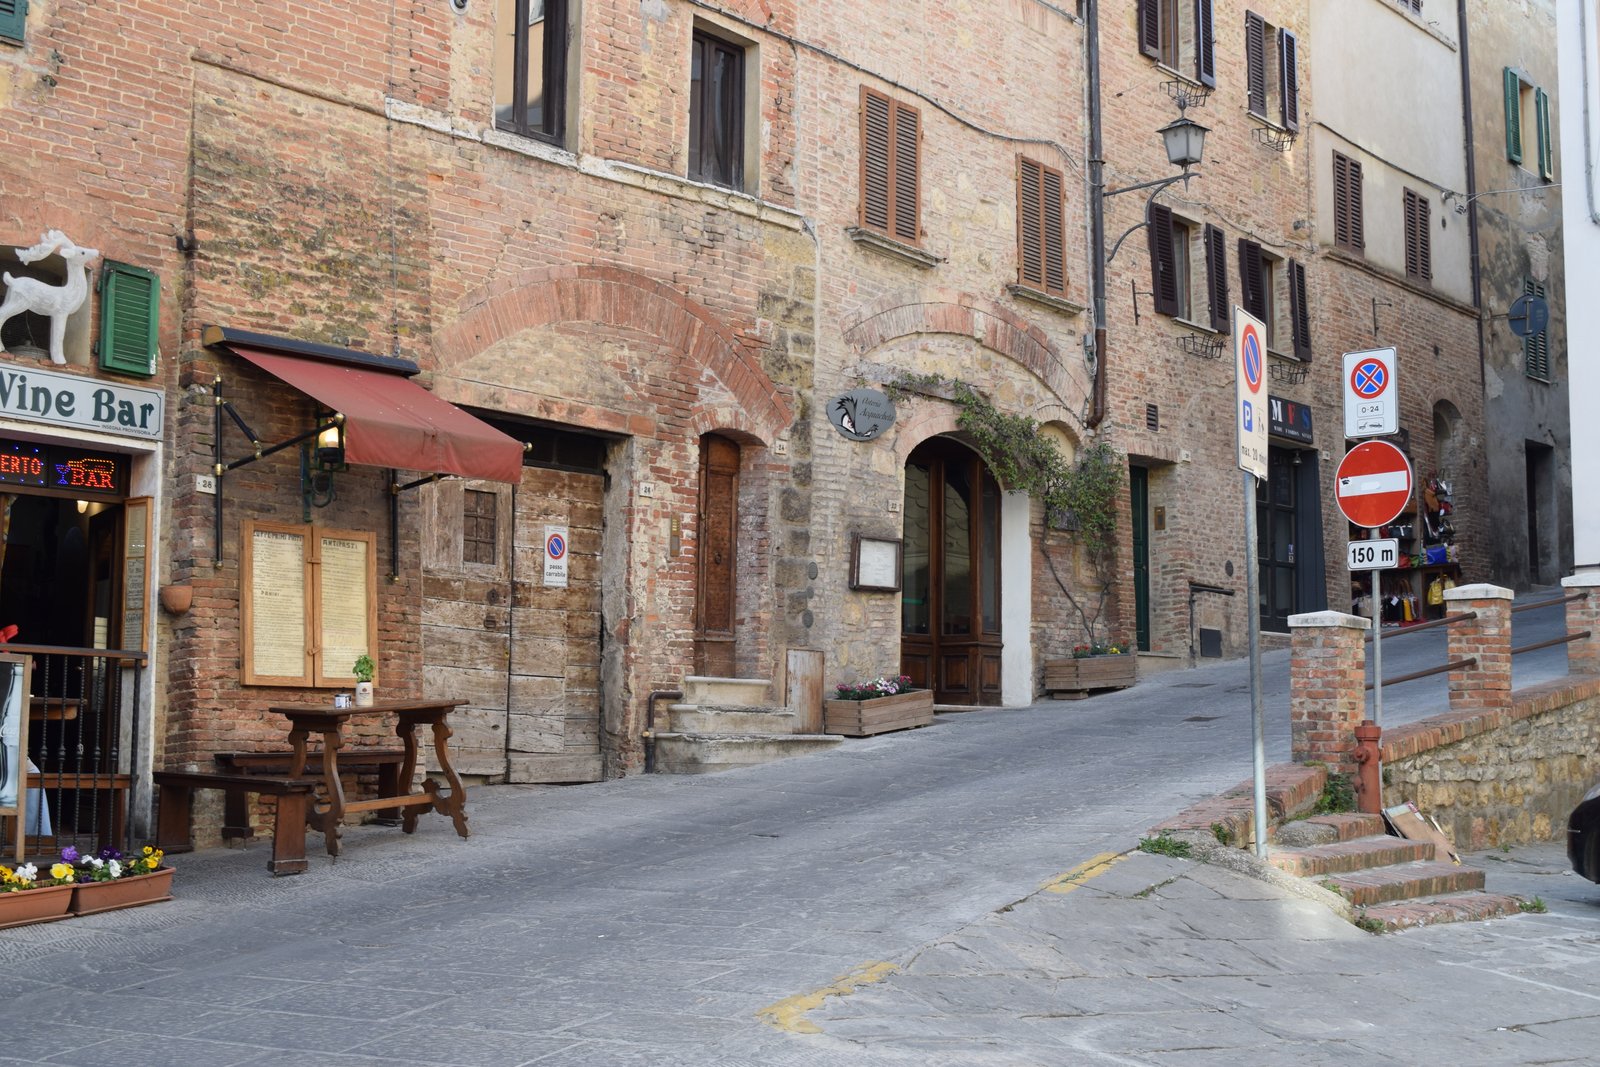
<point>1369,770</point>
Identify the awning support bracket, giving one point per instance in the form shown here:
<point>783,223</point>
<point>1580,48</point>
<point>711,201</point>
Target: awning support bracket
<point>395,489</point>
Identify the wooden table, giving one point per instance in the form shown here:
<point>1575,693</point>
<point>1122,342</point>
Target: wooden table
<point>327,816</point>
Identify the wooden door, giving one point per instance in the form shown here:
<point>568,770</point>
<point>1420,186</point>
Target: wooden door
<point>716,589</point>
<point>1139,492</point>
<point>1275,540</point>
<point>950,621</point>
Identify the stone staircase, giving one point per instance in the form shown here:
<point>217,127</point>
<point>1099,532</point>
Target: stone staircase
<point>1391,882</point>
<point>723,723</point>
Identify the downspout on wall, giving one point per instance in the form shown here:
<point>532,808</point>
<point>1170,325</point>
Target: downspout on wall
<point>1097,211</point>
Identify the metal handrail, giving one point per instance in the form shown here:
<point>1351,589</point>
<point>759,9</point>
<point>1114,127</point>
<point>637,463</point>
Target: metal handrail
<point>1418,627</point>
<point>65,650</point>
<point>1470,661</point>
<point>1550,643</point>
<point>1549,603</point>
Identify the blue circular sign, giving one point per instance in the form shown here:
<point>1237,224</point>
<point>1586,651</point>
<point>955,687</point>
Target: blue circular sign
<point>1252,360</point>
<point>1369,379</point>
<point>556,546</point>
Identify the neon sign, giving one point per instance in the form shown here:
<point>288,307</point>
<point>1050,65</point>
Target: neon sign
<point>41,466</point>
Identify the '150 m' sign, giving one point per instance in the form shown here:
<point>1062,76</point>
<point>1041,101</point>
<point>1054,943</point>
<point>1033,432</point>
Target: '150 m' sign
<point>88,403</point>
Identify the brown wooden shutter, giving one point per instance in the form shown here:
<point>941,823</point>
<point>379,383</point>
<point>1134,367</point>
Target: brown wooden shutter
<point>1205,52</point>
<point>907,174</point>
<point>1149,28</point>
<point>1252,280</point>
<point>876,110</point>
<point>1348,226</point>
<point>1055,234</point>
<point>1419,241</point>
<point>1299,311</point>
<point>1289,79</point>
<point>1030,225</point>
<point>1358,225</point>
<point>1255,61</point>
<point>1217,276</point>
<point>1163,261</point>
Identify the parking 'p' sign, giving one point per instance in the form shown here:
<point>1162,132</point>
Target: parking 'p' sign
<point>1250,400</point>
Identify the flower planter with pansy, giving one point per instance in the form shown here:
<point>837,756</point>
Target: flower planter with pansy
<point>861,709</point>
<point>77,884</point>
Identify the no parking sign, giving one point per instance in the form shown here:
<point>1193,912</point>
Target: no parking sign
<point>555,556</point>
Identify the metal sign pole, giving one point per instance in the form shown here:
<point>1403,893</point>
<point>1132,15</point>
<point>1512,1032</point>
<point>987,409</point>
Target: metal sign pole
<point>1377,643</point>
<point>1257,703</point>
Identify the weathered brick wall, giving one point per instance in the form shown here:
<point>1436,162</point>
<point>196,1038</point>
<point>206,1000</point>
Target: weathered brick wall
<point>1495,778</point>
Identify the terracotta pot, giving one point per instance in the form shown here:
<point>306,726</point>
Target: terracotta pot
<point>363,694</point>
<point>177,599</point>
<point>90,897</point>
<point>35,905</point>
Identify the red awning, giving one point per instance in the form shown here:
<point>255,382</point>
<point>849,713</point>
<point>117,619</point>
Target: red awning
<point>391,421</point>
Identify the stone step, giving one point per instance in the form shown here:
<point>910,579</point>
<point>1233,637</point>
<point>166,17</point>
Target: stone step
<point>1344,857</point>
<point>683,753</point>
<point>749,692</point>
<point>1384,885</point>
<point>1327,829</point>
<point>728,719</point>
<point>1455,907</point>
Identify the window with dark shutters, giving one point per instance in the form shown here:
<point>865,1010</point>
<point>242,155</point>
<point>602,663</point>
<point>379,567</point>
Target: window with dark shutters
<point>1513,86</point>
<point>1252,280</point>
<point>13,19</point>
<point>1163,261</point>
<point>1536,346</point>
<point>1349,227</point>
<point>1255,63</point>
<point>1041,228</point>
<point>1547,149</point>
<point>1299,311</point>
<point>1150,28</point>
<point>1167,36</point>
<point>129,319</point>
<point>1205,53</point>
<point>890,158</point>
<point>1289,79</point>
<point>1217,276</point>
<point>1419,247</point>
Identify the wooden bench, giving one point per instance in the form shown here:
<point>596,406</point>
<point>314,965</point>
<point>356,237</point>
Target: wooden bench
<point>176,812</point>
<point>384,762</point>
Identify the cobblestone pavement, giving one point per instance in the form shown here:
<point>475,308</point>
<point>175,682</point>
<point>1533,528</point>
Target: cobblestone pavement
<point>897,900</point>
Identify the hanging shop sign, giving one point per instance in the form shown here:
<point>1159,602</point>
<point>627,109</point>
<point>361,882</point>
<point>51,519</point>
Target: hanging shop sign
<point>861,414</point>
<point>43,466</point>
<point>1289,420</point>
<point>84,403</point>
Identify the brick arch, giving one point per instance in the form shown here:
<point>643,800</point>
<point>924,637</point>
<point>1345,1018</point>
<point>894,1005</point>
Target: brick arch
<point>625,300</point>
<point>948,311</point>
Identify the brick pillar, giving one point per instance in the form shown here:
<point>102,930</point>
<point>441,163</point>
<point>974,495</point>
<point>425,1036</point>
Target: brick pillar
<point>1327,687</point>
<point>1487,685</point>
<point>1583,657</point>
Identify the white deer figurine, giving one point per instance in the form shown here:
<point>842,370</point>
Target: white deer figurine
<point>54,301</point>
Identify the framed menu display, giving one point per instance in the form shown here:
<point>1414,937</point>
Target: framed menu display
<point>308,603</point>
<point>875,563</point>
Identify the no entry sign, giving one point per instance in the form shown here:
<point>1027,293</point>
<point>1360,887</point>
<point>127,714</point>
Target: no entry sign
<point>1373,484</point>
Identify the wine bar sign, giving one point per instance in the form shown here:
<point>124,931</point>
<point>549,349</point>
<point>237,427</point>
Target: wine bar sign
<point>86,403</point>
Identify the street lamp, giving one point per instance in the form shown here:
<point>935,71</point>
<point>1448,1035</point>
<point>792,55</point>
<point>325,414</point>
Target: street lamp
<point>1185,140</point>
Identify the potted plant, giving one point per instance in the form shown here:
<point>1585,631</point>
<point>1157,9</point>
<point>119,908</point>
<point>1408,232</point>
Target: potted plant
<point>1092,666</point>
<point>861,709</point>
<point>27,897</point>
<point>109,880</point>
<point>364,670</point>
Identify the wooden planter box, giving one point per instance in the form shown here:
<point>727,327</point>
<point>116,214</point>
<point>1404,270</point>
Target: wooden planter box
<point>1073,679</point>
<point>90,897</point>
<point>35,905</point>
<point>863,718</point>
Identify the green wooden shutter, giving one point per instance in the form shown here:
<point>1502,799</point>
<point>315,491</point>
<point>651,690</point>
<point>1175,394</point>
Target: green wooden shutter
<point>1547,148</point>
<point>1513,116</point>
<point>129,303</point>
<point>13,19</point>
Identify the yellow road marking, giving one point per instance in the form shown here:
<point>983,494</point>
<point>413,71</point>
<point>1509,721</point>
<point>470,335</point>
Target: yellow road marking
<point>1080,874</point>
<point>789,1013</point>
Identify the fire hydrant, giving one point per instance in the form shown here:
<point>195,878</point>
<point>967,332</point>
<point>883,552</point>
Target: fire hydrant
<point>1369,770</point>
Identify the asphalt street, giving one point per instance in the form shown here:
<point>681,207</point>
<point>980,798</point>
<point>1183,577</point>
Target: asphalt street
<point>961,894</point>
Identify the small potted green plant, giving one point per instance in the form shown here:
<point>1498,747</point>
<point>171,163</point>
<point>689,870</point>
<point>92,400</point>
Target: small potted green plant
<point>364,670</point>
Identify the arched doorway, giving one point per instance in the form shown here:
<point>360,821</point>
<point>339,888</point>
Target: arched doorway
<point>717,573</point>
<point>950,617</point>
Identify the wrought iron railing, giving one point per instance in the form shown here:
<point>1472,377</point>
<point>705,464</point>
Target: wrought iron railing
<point>85,714</point>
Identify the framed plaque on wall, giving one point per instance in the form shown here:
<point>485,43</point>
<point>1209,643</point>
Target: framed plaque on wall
<point>875,563</point>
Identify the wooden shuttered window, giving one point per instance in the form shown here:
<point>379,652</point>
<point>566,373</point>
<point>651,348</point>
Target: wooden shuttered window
<point>1289,79</point>
<point>1513,85</point>
<point>1536,346</point>
<point>13,19</point>
<point>1547,148</point>
<point>1419,238</point>
<point>129,319</point>
<point>1255,63</point>
<point>1041,228</point>
<point>1349,227</point>
<point>891,145</point>
<point>1205,52</point>
<point>1299,311</point>
<point>1217,276</point>
<point>1163,261</point>
<point>1163,39</point>
<point>1149,16</point>
<point>1252,281</point>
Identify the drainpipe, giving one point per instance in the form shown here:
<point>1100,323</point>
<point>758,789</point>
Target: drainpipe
<point>1472,202</point>
<point>650,724</point>
<point>1097,211</point>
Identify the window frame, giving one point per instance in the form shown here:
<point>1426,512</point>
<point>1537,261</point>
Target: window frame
<point>704,43</point>
<point>473,522</point>
<point>1035,202</point>
<point>1162,21</point>
<point>556,42</point>
<point>901,143</point>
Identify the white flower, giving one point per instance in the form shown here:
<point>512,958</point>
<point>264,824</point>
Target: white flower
<point>27,872</point>
<point>95,861</point>
<point>116,869</point>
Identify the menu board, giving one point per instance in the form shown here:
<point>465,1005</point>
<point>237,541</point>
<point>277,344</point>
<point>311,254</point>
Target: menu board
<point>135,570</point>
<point>345,599</point>
<point>310,605</point>
<point>275,606</point>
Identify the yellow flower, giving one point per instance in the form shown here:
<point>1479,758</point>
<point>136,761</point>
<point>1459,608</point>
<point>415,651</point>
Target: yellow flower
<point>61,871</point>
<point>148,850</point>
